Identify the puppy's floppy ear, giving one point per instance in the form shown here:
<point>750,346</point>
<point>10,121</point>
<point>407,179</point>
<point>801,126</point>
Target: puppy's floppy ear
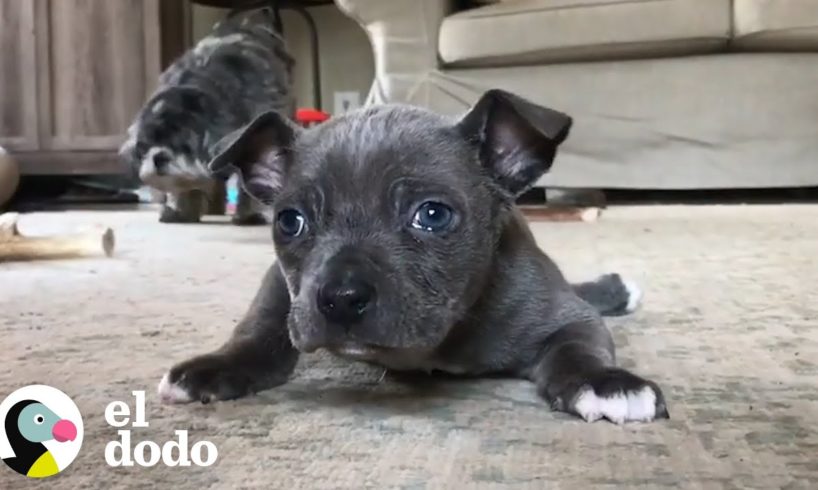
<point>517,139</point>
<point>260,151</point>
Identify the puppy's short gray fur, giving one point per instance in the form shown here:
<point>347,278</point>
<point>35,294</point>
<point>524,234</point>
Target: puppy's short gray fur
<point>241,69</point>
<point>477,298</point>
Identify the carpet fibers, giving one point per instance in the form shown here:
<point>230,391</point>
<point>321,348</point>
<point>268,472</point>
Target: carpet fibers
<point>728,329</point>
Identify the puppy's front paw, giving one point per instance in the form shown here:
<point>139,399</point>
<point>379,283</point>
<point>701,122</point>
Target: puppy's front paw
<point>619,396</point>
<point>205,378</point>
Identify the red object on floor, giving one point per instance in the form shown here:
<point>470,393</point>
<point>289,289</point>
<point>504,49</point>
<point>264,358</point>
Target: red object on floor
<point>310,117</point>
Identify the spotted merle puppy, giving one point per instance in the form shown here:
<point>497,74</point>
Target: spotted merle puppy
<point>238,71</point>
<point>399,244</point>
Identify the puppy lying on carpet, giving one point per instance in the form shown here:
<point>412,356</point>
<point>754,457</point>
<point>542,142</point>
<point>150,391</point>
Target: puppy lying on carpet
<point>399,244</point>
<point>237,72</point>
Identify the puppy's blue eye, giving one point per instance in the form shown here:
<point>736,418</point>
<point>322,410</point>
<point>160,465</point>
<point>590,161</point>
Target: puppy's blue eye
<point>290,222</point>
<point>432,216</point>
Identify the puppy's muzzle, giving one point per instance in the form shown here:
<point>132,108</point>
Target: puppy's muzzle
<point>161,163</point>
<point>347,290</point>
<point>346,297</point>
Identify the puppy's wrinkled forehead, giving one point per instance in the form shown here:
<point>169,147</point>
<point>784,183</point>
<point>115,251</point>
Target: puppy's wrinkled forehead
<point>366,150</point>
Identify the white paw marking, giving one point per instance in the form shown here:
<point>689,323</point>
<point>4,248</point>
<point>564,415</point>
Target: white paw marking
<point>620,408</point>
<point>171,392</point>
<point>634,295</point>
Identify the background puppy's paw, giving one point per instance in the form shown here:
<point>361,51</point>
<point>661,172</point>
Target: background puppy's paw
<point>205,378</point>
<point>619,396</point>
<point>170,215</point>
<point>253,219</point>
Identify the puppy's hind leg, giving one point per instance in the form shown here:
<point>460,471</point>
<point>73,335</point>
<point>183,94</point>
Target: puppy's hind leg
<point>258,356</point>
<point>610,294</point>
<point>576,373</point>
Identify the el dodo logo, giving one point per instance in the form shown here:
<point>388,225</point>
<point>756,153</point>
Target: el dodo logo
<point>148,453</point>
<point>41,432</point>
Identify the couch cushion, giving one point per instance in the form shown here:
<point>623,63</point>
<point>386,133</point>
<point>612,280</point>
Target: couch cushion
<point>776,24</point>
<point>738,120</point>
<point>533,31</point>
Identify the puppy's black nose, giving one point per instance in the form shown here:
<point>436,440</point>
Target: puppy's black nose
<point>345,300</point>
<point>160,162</point>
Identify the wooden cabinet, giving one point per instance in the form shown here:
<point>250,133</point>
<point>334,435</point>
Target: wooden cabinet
<point>18,76</point>
<point>104,60</point>
<point>73,74</point>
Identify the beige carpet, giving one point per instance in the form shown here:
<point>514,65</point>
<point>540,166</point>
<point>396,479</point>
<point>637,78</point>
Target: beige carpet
<point>728,330</point>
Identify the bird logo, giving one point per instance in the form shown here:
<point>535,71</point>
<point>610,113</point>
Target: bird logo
<point>42,429</point>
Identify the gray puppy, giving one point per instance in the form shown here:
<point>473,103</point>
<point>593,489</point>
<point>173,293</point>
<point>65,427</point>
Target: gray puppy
<point>399,244</point>
<point>237,72</point>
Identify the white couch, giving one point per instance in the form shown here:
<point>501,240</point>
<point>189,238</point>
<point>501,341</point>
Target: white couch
<point>666,94</point>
